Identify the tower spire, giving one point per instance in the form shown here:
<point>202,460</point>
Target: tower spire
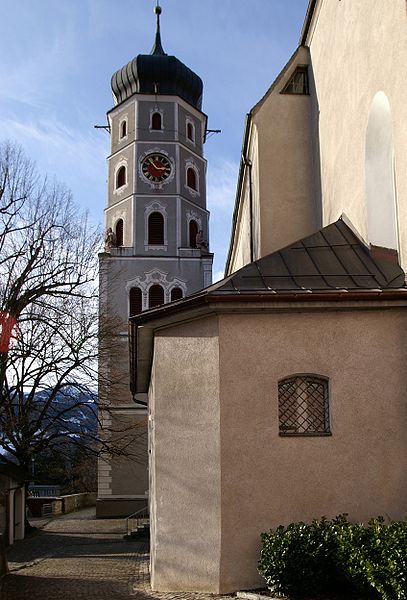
<point>157,48</point>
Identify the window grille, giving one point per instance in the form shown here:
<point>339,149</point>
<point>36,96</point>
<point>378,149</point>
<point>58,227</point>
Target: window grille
<point>121,177</point>
<point>298,84</point>
<point>176,294</point>
<point>156,121</point>
<point>156,229</point>
<point>303,405</point>
<point>119,233</point>
<point>136,302</point>
<point>191,178</point>
<point>155,296</point>
<point>193,231</point>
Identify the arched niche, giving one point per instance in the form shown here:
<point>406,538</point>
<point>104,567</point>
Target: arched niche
<point>380,188</point>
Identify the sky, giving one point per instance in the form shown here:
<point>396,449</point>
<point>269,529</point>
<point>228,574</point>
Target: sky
<point>57,59</point>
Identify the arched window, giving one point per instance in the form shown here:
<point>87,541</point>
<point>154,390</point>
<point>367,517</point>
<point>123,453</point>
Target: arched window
<point>190,132</point>
<point>136,302</point>
<point>155,296</point>
<point>121,177</point>
<point>156,122</point>
<point>193,230</point>
<point>119,233</point>
<point>303,405</point>
<point>176,294</point>
<point>380,189</point>
<point>156,229</point>
<point>123,129</point>
<point>191,178</point>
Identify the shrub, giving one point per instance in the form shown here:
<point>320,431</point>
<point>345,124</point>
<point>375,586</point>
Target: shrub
<point>320,556</point>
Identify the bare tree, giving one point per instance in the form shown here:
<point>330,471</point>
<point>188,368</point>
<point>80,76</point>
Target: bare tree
<point>48,303</point>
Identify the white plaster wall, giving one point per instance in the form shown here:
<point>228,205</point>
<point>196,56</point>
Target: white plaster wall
<point>359,48</point>
<point>185,458</point>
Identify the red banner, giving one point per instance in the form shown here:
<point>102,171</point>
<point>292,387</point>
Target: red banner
<point>7,325</point>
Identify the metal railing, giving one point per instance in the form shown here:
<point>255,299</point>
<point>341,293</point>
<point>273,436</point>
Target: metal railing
<point>137,520</point>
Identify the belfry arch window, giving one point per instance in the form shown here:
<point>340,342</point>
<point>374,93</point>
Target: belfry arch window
<point>121,177</point>
<point>156,121</point>
<point>119,230</point>
<point>176,294</point>
<point>135,301</point>
<point>191,178</point>
<point>156,229</point>
<point>190,131</point>
<point>155,296</point>
<point>193,231</point>
<point>381,202</point>
<point>123,129</point>
<point>303,405</point>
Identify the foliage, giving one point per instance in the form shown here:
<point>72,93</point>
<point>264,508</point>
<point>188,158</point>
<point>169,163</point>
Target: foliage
<point>320,556</point>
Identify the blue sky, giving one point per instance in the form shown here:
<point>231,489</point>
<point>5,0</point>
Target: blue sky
<point>57,59</point>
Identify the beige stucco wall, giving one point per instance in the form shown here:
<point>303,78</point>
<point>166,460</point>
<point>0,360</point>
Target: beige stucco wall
<point>358,49</point>
<point>185,458</point>
<point>278,480</point>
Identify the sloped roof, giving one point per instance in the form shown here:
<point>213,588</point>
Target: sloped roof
<point>334,258</point>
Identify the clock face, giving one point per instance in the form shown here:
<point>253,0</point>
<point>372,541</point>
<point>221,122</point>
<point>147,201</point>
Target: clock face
<point>156,168</point>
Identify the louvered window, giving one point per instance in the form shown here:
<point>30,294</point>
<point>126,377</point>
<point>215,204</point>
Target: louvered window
<point>155,296</point>
<point>193,230</point>
<point>191,178</point>
<point>303,405</point>
<point>156,229</point>
<point>156,121</point>
<point>121,177</point>
<point>176,294</point>
<point>119,233</point>
<point>136,304</point>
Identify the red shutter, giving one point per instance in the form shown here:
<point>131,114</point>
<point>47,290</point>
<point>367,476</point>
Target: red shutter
<point>156,229</point>
<point>119,233</point>
<point>136,304</point>
<point>176,294</point>
<point>155,296</point>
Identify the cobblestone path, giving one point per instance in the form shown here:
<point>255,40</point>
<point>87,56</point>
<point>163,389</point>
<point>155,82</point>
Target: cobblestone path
<point>77,557</point>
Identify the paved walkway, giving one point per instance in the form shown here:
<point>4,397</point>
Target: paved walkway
<point>77,557</point>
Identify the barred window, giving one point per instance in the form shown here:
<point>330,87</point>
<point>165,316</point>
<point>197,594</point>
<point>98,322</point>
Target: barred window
<point>155,296</point>
<point>298,84</point>
<point>156,229</point>
<point>176,294</point>
<point>303,405</point>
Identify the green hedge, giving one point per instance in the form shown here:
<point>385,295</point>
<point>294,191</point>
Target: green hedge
<point>325,555</point>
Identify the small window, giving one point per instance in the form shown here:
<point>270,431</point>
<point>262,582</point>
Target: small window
<point>156,229</point>
<point>176,294</point>
<point>155,296</point>
<point>119,233</point>
<point>191,178</point>
<point>193,232</point>
<point>156,122</point>
<point>123,129</point>
<point>121,177</point>
<point>190,132</point>
<point>136,302</point>
<point>298,84</point>
<point>303,405</point>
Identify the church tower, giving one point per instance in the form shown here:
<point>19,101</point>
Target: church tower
<point>157,251</point>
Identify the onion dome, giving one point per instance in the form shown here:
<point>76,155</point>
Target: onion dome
<point>157,73</point>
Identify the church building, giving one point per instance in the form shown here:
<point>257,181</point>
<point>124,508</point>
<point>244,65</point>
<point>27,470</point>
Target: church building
<point>157,231</point>
<point>278,394</point>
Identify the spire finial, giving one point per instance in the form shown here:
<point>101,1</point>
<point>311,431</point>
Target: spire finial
<point>157,48</point>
